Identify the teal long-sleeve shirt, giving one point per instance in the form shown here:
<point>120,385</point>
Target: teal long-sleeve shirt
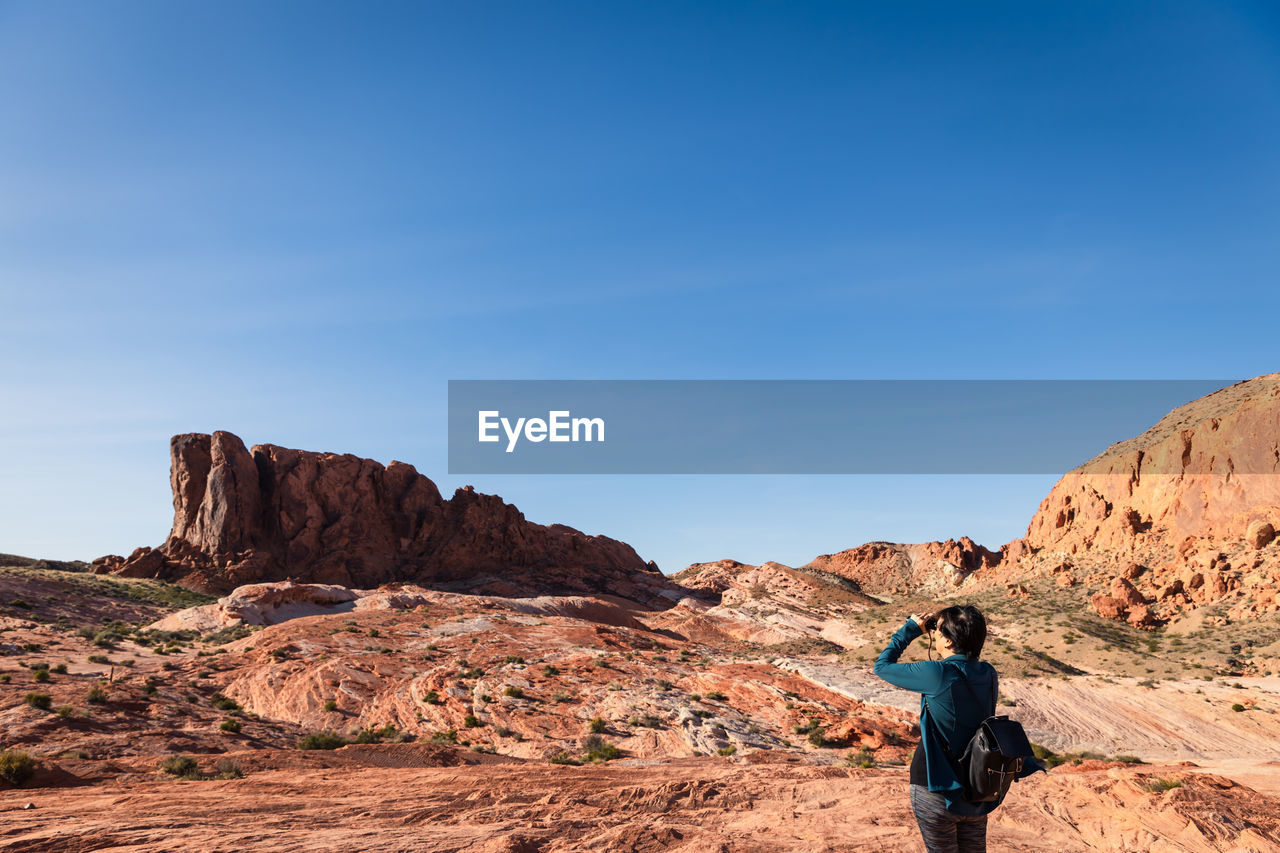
<point>953,707</point>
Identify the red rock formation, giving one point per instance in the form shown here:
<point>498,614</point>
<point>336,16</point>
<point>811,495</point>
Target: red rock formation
<point>244,516</point>
<point>1207,470</point>
<point>1201,484</point>
<point>1124,602</point>
<point>891,567</point>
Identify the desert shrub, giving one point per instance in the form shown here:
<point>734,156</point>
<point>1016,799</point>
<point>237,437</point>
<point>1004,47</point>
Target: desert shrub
<point>228,769</point>
<point>322,740</point>
<point>231,725</point>
<point>646,721</point>
<point>663,684</point>
<point>1236,707</point>
<point>224,703</point>
<point>513,691</point>
<point>818,737</point>
<point>1129,759</point>
<point>561,696</point>
<point>107,639</point>
<point>550,670</point>
<point>805,728</point>
<point>1047,756</point>
<point>431,697</point>
<point>97,695</point>
<point>1159,784</point>
<point>514,659</point>
<point>598,749</point>
<point>564,758</point>
<point>18,602</point>
<point>43,701</point>
<point>226,635</point>
<point>371,735</point>
<point>701,712</point>
<point>101,659</point>
<point>727,750</point>
<point>449,736</point>
<point>16,767</point>
<point>864,758</point>
<point>695,697</point>
<point>66,712</point>
<point>597,725</point>
<point>471,721</point>
<point>40,675</point>
<point>331,705</point>
<point>6,678</point>
<point>716,696</point>
<point>60,669</point>
<point>182,766</point>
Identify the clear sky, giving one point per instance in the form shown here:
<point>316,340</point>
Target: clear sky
<point>296,222</point>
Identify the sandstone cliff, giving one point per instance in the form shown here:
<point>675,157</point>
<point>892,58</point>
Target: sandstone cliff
<point>1207,470</point>
<point>1181,516</point>
<point>270,513</point>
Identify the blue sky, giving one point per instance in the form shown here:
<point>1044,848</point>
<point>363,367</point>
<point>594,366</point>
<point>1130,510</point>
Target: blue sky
<point>298,221</point>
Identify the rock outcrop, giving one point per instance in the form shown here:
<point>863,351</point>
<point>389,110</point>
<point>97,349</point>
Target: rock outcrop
<point>1207,470</point>
<point>1189,508</point>
<point>891,567</point>
<point>269,513</point>
<point>261,604</point>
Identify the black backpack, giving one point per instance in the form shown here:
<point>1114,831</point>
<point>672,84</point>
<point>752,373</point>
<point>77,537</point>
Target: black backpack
<point>993,758</point>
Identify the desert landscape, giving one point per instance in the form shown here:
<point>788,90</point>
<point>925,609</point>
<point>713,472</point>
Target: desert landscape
<point>326,654</point>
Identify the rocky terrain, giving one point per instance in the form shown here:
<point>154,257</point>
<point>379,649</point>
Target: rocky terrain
<point>308,716</point>
<point>325,654</point>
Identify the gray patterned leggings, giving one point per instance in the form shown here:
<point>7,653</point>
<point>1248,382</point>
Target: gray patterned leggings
<point>944,832</point>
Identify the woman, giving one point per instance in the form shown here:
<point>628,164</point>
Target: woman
<point>948,709</point>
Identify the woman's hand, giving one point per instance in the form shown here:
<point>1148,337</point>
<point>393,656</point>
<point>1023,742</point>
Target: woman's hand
<point>921,620</point>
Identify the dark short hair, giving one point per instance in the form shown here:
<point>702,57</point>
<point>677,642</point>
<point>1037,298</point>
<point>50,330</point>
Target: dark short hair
<point>965,627</point>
